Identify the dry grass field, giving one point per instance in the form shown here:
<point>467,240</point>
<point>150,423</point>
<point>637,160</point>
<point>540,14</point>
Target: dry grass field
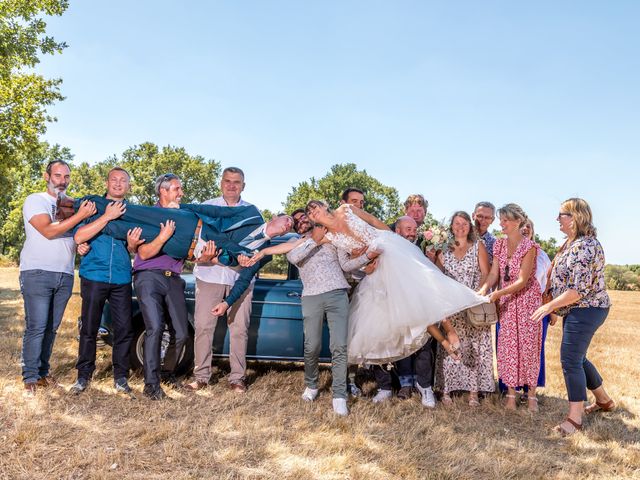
<point>271,433</point>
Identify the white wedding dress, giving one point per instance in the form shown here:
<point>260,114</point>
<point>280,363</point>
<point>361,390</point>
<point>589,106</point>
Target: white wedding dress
<point>391,309</point>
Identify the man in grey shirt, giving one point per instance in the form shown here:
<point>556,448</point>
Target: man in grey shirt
<point>324,292</point>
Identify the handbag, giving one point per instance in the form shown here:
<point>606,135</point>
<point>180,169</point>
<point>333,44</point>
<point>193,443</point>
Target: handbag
<point>483,315</point>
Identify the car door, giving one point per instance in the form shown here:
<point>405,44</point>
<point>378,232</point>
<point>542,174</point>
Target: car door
<point>276,330</point>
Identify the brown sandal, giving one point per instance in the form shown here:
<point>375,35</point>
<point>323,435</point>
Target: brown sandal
<point>600,407</point>
<point>564,432</point>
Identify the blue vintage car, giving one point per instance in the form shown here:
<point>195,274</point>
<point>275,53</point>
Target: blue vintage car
<point>275,332</point>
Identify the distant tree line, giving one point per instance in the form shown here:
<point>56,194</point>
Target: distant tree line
<point>622,277</point>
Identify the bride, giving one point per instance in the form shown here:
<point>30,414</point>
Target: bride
<point>394,310</point>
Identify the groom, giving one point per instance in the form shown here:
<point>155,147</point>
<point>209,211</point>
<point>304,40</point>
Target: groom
<point>229,227</point>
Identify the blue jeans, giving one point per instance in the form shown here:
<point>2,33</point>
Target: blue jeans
<point>45,297</point>
<point>578,328</point>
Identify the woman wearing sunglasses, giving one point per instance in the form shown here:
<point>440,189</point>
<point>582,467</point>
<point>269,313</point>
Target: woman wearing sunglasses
<point>580,297</point>
<point>518,296</point>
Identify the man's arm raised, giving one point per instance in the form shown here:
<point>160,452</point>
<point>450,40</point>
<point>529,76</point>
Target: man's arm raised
<point>50,230</point>
<point>87,232</point>
<point>153,248</point>
<point>370,219</point>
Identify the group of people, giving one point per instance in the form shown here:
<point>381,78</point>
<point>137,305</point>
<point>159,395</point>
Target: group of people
<point>389,305</point>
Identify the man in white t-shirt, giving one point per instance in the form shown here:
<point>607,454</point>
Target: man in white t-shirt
<point>46,273</point>
<point>213,284</point>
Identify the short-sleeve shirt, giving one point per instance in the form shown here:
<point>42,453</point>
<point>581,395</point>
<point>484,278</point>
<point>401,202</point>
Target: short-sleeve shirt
<point>489,241</point>
<point>38,252</point>
<point>580,267</point>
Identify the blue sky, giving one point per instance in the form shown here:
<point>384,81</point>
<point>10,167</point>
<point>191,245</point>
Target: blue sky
<point>526,102</point>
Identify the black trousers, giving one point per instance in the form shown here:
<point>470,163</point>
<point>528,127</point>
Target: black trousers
<point>94,295</point>
<point>158,294</point>
<point>421,364</point>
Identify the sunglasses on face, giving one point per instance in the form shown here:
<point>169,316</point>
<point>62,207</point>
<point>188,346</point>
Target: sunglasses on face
<point>563,214</point>
<point>507,277</point>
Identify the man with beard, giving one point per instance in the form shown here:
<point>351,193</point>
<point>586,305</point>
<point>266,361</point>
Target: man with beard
<point>46,273</point>
<point>417,369</point>
<point>324,293</point>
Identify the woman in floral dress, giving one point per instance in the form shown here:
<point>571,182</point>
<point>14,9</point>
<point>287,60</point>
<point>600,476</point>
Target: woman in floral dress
<point>520,337</point>
<point>468,263</point>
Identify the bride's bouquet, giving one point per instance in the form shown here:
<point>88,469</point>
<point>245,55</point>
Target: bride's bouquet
<point>435,235</point>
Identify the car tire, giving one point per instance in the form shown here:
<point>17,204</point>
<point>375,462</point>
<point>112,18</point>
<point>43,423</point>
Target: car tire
<point>136,355</point>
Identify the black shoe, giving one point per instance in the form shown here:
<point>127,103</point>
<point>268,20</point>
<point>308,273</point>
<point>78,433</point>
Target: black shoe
<point>80,386</point>
<point>121,385</point>
<point>170,380</point>
<point>154,392</point>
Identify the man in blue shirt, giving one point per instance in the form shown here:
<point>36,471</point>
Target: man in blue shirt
<point>105,274</point>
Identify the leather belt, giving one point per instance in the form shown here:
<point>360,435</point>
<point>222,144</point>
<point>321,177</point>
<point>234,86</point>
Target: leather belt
<point>166,273</point>
<point>194,242</point>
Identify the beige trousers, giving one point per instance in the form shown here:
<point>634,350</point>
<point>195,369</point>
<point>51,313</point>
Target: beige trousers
<point>208,295</point>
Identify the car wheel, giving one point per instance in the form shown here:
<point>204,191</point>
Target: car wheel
<point>136,353</point>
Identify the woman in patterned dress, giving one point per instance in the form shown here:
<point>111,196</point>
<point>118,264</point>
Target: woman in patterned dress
<point>468,263</point>
<point>520,338</point>
<point>580,297</point>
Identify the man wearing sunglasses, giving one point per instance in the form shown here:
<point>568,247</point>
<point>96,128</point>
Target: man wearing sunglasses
<point>160,289</point>
<point>324,294</point>
<point>483,215</point>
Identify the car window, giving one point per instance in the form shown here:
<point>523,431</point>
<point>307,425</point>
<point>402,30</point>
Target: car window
<point>276,269</point>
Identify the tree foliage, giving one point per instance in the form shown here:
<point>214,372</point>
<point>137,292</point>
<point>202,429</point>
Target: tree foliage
<point>25,95</point>
<point>622,277</point>
<point>144,162</point>
<point>550,246</point>
<point>381,200</point>
<point>23,178</point>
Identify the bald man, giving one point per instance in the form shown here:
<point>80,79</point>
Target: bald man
<point>417,369</point>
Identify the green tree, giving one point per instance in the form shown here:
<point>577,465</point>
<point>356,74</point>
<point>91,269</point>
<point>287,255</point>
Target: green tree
<point>25,95</point>
<point>550,246</point>
<point>621,277</point>
<point>145,162</point>
<point>381,200</point>
<point>22,179</point>
<point>634,268</point>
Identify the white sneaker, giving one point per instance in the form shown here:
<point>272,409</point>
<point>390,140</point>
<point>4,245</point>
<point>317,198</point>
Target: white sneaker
<point>428,399</point>
<point>309,394</point>
<point>340,407</point>
<point>382,396</point>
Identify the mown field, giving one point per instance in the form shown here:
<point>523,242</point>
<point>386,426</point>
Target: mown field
<point>270,433</point>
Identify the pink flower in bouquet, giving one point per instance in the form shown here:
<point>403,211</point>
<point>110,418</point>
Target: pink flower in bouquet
<point>428,235</point>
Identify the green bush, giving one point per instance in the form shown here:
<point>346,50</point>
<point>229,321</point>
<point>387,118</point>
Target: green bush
<point>622,277</point>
